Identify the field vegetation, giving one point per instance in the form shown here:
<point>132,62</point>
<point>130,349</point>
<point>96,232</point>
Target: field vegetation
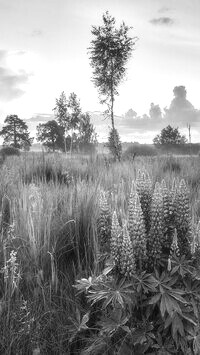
<point>67,284</point>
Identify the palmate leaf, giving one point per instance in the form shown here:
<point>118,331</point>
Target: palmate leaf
<point>117,319</point>
<point>143,336</point>
<point>145,283</point>
<point>167,298</point>
<point>192,290</point>
<point>169,304</point>
<point>97,345</point>
<point>176,323</point>
<point>194,336</point>
<point>112,292</point>
<point>78,324</point>
<point>83,285</point>
<point>181,266</point>
<point>164,346</point>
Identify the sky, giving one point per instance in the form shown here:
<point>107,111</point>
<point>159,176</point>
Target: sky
<point>44,51</point>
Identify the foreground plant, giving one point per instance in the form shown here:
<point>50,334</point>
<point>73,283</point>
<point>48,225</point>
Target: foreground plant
<point>151,306</point>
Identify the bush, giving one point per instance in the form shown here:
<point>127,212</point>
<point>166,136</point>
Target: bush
<point>114,144</point>
<point>179,149</point>
<point>87,148</point>
<point>8,151</point>
<point>139,150</point>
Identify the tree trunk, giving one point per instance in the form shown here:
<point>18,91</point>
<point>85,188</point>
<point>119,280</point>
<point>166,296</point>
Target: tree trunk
<point>15,138</point>
<point>112,97</point>
<point>112,113</point>
<point>65,147</point>
<point>71,143</point>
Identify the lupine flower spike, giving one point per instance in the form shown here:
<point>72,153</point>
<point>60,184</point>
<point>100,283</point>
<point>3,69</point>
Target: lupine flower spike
<point>136,228</point>
<point>116,239</point>
<point>104,223</point>
<point>127,259</point>
<point>173,250</point>
<point>155,239</point>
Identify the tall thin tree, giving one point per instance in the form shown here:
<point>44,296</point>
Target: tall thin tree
<point>61,114</point>
<point>110,50</point>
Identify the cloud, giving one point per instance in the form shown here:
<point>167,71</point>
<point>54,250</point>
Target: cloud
<point>41,117</point>
<point>10,83</point>
<point>163,21</point>
<point>181,112</point>
<point>164,9</point>
<point>140,124</point>
<point>36,33</point>
<point>3,54</point>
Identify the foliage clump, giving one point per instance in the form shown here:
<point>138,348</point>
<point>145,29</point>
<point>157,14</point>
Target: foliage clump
<point>147,297</point>
<point>169,136</point>
<point>9,151</point>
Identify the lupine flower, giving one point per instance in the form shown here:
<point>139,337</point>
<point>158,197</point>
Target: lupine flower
<point>144,190</point>
<point>183,217</point>
<point>174,250</point>
<point>155,239</point>
<point>116,239</point>
<point>104,223</point>
<point>136,228</point>
<point>168,215</point>
<point>127,258</point>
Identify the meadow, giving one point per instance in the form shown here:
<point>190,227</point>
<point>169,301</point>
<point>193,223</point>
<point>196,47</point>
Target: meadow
<point>51,221</point>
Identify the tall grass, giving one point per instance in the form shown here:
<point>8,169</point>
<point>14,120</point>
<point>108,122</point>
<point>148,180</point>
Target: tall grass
<point>52,232</point>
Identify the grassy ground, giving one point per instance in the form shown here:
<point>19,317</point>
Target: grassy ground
<point>49,238</point>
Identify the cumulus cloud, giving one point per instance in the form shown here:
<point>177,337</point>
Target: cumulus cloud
<point>164,9</point>
<point>36,33</point>
<point>181,112</point>
<point>11,81</point>
<point>155,112</point>
<point>139,124</point>
<point>41,117</point>
<point>3,55</point>
<point>162,21</point>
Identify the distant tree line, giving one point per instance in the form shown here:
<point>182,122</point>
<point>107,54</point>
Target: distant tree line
<point>70,130</point>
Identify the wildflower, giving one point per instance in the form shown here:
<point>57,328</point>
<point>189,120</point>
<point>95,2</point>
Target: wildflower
<point>168,215</point>
<point>155,238</point>
<point>127,258</point>
<point>104,223</point>
<point>11,273</point>
<point>144,190</point>
<point>182,217</point>
<point>136,228</point>
<point>116,239</point>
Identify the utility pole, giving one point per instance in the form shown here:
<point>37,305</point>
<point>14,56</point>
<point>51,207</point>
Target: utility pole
<point>189,132</point>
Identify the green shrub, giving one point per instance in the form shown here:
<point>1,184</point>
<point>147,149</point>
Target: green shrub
<point>114,144</point>
<point>139,150</point>
<point>8,151</point>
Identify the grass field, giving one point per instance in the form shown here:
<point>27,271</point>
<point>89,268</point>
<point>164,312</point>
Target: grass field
<point>49,239</point>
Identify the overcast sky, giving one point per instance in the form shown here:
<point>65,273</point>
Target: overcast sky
<point>44,51</point>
